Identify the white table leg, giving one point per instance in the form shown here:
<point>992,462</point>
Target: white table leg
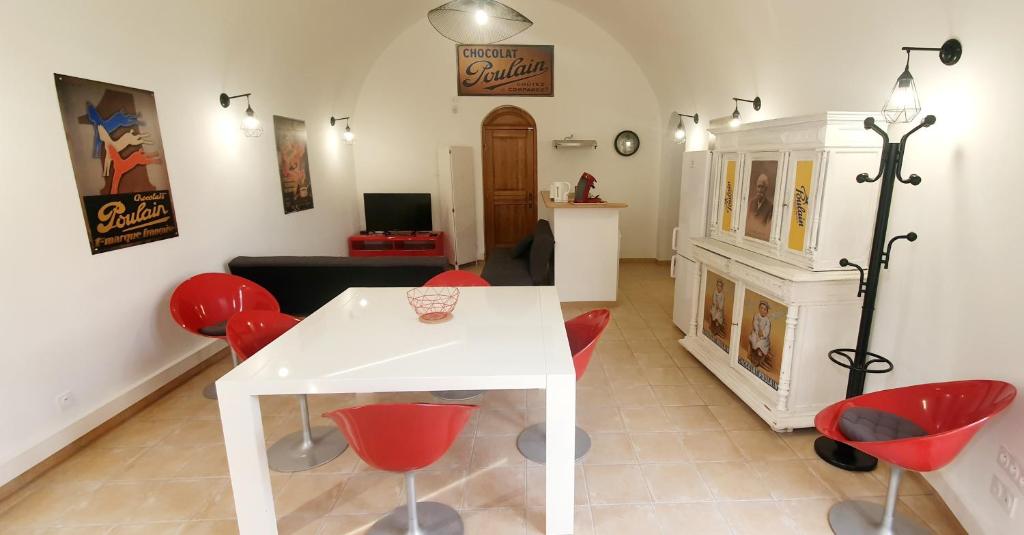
<point>247,463</point>
<point>560,399</point>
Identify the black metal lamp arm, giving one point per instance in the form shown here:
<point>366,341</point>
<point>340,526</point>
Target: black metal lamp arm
<point>695,117</point>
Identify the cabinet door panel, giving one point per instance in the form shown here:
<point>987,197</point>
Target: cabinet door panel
<point>717,309</point>
<point>762,335</point>
<point>727,219</point>
<point>802,184</point>
<point>762,199</point>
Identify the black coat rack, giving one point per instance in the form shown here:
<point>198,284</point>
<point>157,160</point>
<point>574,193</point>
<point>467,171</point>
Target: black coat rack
<point>859,360</point>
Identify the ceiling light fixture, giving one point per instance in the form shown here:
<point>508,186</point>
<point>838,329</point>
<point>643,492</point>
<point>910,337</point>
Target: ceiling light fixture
<point>903,104</point>
<point>250,124</point>
<point>736,119</point>
<point>680,133</point>
<point>477,21</point>
<point>348,135</point>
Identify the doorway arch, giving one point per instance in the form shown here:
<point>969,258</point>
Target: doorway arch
<point>509,153</point>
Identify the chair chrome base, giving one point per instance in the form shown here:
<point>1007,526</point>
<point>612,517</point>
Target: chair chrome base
<point>292,454</point>
<point>853,517</point>
<point>210,391</point>
<point>532,443</point>
<point>433,519</point>
<point>457,395</point>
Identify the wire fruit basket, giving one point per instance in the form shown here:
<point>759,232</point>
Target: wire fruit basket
<point>433,304</point>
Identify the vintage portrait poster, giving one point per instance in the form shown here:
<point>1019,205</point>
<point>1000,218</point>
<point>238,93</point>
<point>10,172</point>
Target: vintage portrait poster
<point>293,164</point>
<point>761,199</point>
<point>762,330</point>
<point>117,157</point>
<point>719,293</point>
<point>801,210</point>
<point>505,70</point>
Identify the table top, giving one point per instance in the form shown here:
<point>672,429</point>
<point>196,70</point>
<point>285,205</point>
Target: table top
<point>552,204</point>
<point>370,340</point>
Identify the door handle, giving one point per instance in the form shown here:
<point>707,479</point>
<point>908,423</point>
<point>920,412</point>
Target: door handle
<point>675,233</point>
<point>529,197</point>
<point>672,267</point>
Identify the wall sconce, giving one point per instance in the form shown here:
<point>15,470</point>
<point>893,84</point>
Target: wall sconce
<point>348,135</point>
<point>680,133</point>
<point>250,124</point>
<point>736,121</point>
<point>903,104</point>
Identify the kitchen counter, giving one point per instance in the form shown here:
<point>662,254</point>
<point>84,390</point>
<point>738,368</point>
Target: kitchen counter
<point>586,249</point>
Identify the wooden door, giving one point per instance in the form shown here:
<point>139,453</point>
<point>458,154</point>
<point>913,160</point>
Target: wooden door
<point>509,175</point>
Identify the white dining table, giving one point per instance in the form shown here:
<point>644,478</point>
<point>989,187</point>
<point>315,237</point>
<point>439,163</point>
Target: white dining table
<point>370,340</point>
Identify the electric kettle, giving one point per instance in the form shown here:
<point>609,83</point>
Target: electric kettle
<point>559,191</point>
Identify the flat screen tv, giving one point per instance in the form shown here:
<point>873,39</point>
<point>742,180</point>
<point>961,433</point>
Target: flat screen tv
<point>397,212</point>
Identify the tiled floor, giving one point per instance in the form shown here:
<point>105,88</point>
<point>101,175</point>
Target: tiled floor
<point>673,452</point>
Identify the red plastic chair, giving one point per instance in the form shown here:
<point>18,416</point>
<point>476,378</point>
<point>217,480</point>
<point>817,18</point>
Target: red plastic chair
<point>204,303</point>
<point>458,279</point>
<point>406,437</point>
<point>944,416</point>
<point>583,331</point>
<point>250,331</point>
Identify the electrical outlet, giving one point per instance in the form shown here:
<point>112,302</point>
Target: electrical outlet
<point>1011,466</point>
<point>1006,496</point>
<point>65,400</point>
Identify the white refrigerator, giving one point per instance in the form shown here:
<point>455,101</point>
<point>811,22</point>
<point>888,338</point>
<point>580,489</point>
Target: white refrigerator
<point>693,210</point>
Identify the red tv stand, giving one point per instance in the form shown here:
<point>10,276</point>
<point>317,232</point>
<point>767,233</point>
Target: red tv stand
<point>417,244</point>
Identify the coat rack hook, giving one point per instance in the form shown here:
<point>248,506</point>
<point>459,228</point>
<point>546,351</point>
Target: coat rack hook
<point>914,179</point>
<point>863,287</point>
<point>910,236</point>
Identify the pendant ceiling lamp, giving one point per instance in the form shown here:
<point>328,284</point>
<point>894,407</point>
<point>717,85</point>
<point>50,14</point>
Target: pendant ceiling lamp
<point>477,21</point>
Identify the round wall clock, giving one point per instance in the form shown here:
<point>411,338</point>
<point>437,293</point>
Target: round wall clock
<point>627,143</point>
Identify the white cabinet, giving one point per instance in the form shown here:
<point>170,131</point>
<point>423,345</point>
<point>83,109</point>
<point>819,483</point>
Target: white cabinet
<point>684,306</point>
<point>457,203</point>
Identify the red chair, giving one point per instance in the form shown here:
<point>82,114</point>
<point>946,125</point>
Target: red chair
<point>457,279</point>
<point>250,331</point>
<point>583,331</point>
<point>921,428</point>
<point>204,303</point>
<point>406,437</point>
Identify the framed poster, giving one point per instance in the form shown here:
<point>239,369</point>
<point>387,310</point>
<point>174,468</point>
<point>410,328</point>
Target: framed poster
<point>505,70</point>
<point>719,293</point>
<point>728,195</point>
<point>801,205</point>
<point>293,164</point>
<point>762,331</point>
<point>117,157</point>
<point>761,199</point>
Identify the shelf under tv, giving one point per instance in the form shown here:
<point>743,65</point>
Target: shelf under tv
<point>418,244</point>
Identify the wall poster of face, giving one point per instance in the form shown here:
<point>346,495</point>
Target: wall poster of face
<point>718,300</point>
<point>293,164</point>
<point>761,199</point>
<point>117,151</point>
<point>762,331</point>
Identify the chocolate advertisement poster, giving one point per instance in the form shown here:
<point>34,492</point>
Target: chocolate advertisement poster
<point>762,332</point>
<point>505,70</point>
<point>117,156</point>
<point>719,293</point>
<point>293,164</point>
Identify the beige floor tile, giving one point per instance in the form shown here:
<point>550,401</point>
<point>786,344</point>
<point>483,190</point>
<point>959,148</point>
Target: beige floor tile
<point>504,399</point>
<point>491,451</point>
<point>197,433</point>
<point>137,433</point>
<point>210,527</point>
<point>646,419</point>
<point>716,394</point>
<point>357,524</point>
<point>911,484</point>
<point>299,523</point>
<point>801,441</point>
<point>457,456</point>
<point>665,376</point>
<point>496,487</point>
<point>159,462</point>
<point>644,346</point>
<point>370,492</point>
<point>757,518</point>
<point>761,445</point>
<point>178,499</point>
<point>635,396</point>
<point>846,484</point>
<point>309,495</point>
<point>696,518</point>
<point>206,461</point>
<point>163,528</point>
<point>506,521</point>
<point>700,376</point>
<point>600,420</point>
<point>79,530</point>
<point>93,464</point>
<point>659,447</point>
<point>692,418</point>
<point>733,481</point>
<point>791,480</point>
<point>810,516</point>
<point>536,397</point>
<point>595,376</point>
<point>501,422</point>
<point>654,359</point>
<point>444,486</point>
<point>678,482</point>
<point>110,504</point>
<point>221,507</point>
<point>583,521</point>
<point>591,396</point>
<point>934,512</point>
<point>616,484</point>
<point>44,505</point>
<point>679,395</point>
<point>735,417</point>
<point>625,376</point>
<point>624,520</point>
<point>610,448</point>
<point>342,464</point>
<point>710,446</point>
<point>536,489</point>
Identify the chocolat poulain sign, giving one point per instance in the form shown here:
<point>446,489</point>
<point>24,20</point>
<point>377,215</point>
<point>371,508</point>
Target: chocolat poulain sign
<point>506,70</point>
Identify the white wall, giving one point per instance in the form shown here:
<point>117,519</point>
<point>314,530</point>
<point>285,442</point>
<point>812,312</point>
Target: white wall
<point>99,325</point>
<point>949,306</point>
<point>405,112</point>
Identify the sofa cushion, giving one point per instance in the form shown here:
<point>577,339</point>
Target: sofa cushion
<point>542,252</point>
<point>864,424</point>
<point>521,248</point>
<point>502,269</point>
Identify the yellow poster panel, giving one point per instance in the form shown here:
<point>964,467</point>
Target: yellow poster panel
<point>762,331</point>
<point>718,301</point>
<point>801,205</point>
<point>730,191</point>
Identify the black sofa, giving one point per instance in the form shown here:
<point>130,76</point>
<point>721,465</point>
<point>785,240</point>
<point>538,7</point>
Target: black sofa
<point>302,284</point>
<point>530,263</point>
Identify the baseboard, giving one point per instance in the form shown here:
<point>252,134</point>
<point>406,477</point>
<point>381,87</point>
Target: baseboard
<point>637,260</point>
<point>32,463</point>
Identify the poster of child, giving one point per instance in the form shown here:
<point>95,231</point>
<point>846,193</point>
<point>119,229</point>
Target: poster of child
<point>762,330</point>
<point>719,293</point>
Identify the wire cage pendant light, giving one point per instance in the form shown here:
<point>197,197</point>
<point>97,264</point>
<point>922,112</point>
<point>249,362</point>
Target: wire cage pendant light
<point>477,21</point>
<point>903,104</point>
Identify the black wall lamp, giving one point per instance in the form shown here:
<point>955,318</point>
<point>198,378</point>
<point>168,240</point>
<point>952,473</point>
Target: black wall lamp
<point>680,133</point>
<point>736,121</point>
<point>250,124</point>
<point>903,104</point>
<point>348,135</point>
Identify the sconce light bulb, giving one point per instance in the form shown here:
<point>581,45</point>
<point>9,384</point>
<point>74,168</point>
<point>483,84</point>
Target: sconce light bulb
<point>348,135</point>
<point>735,121</point>
<point>250,124</point>
<point>680,134</point>
<point>481,17</point>
<point>903,104</point>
